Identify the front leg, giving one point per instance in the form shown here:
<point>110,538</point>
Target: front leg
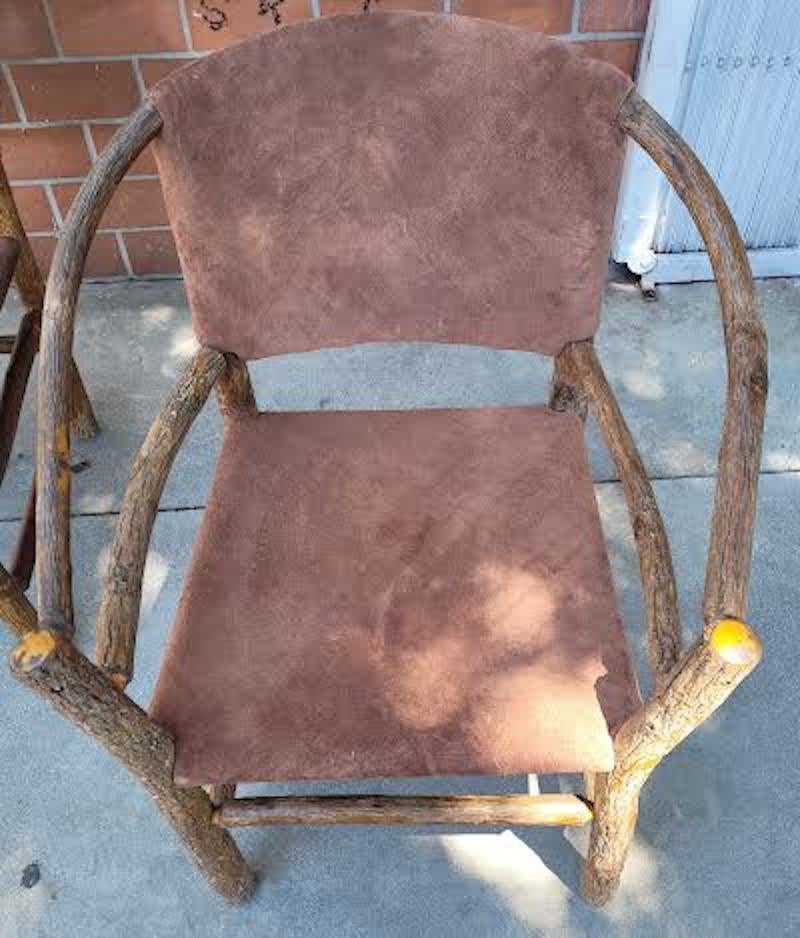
<point>616,807</point>
<point>725,654</point>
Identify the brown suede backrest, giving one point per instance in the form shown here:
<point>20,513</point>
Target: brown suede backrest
<point>392,176</point>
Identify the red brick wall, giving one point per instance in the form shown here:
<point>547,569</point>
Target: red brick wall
<point>72,70</point>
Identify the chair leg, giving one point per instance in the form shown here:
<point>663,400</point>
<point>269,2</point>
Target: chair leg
<point>83,422</point>
<point>56,671</point>
<point>719,661</point>
<point>616,807</point>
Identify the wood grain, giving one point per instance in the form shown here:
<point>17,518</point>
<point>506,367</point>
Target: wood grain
<point>24,557</point>
<point>728,568</point>
<point>18,262</point>
<point>9,253</point>
<point>567,393</point>
<point>540,810</point>
<point>118,617</point>
<point>55,670</point>
<point>728,649</point>
<point>655,557</point>
<point>54,578</point>
<point>234,390</point>
<point>15,609</point>
<point>220,793</point>
<point>15,383</point>
<point>27,276</point>
<point>719,661</point>
<point>30,284</point>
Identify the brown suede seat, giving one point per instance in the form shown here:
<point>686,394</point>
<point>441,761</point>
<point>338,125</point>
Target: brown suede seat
<point>384,594</point>
<point>397,594</point>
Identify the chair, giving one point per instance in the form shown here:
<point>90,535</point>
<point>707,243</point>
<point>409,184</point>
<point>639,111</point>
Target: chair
<point>18,263</point>
<point>393,593</point>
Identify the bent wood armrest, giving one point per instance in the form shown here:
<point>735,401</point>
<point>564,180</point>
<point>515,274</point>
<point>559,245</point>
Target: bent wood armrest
<point>578,367</point>
<point>55,366</point>
<point>118,617</point>
<point>234,391</point>
<point>728,568</point>
<point>30,284</point>
<point>712,669</point>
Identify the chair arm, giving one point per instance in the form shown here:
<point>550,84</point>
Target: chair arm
<point>118,617</point>
<point>726,652</point>
<point>579,368</point>
<point>728,568</point>
<point>54,576</point>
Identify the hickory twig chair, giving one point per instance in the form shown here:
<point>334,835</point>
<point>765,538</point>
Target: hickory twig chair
<point>396,593</point>
<point>18,263</point>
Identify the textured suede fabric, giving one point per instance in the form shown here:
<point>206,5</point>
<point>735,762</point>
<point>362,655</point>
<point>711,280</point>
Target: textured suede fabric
<point>397,594</point>
<point>392,176</point>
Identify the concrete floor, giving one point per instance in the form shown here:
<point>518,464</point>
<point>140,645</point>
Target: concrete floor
<point>715,850</point>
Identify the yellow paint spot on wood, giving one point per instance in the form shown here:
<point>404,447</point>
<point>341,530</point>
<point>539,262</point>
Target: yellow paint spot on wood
<point>735,642</point>
<point>62,440</point>
<point>33,649</point>
<point>119,680</point>
<point>62,482</point>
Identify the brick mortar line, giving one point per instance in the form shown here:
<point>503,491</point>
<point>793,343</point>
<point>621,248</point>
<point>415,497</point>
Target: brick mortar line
<point>51,26</point>
<point>186,28</point>
<point>192,54</point>
<point>575,24</point>
<point>139,79</point>
<point>108,57</point>
<point>14,92</point>
<point>614,36</point>
<point>71,180</point>
<point>54,207</point>
<point>88,140</point>
<point>123,253</point>
<point>61,124</point>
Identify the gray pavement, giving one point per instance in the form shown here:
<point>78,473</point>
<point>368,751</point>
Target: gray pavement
<point>715,850</point>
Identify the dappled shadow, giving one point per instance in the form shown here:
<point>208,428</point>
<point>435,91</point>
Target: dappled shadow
<point>430,591</point>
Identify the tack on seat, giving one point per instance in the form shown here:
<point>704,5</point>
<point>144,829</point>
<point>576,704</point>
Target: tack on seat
<point>396,593</point>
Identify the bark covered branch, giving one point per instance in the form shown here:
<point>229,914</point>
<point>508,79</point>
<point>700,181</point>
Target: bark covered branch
<point>55,670</point>
<point>713,668</point>
<point>118,617</point>
<point>728,569</point>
